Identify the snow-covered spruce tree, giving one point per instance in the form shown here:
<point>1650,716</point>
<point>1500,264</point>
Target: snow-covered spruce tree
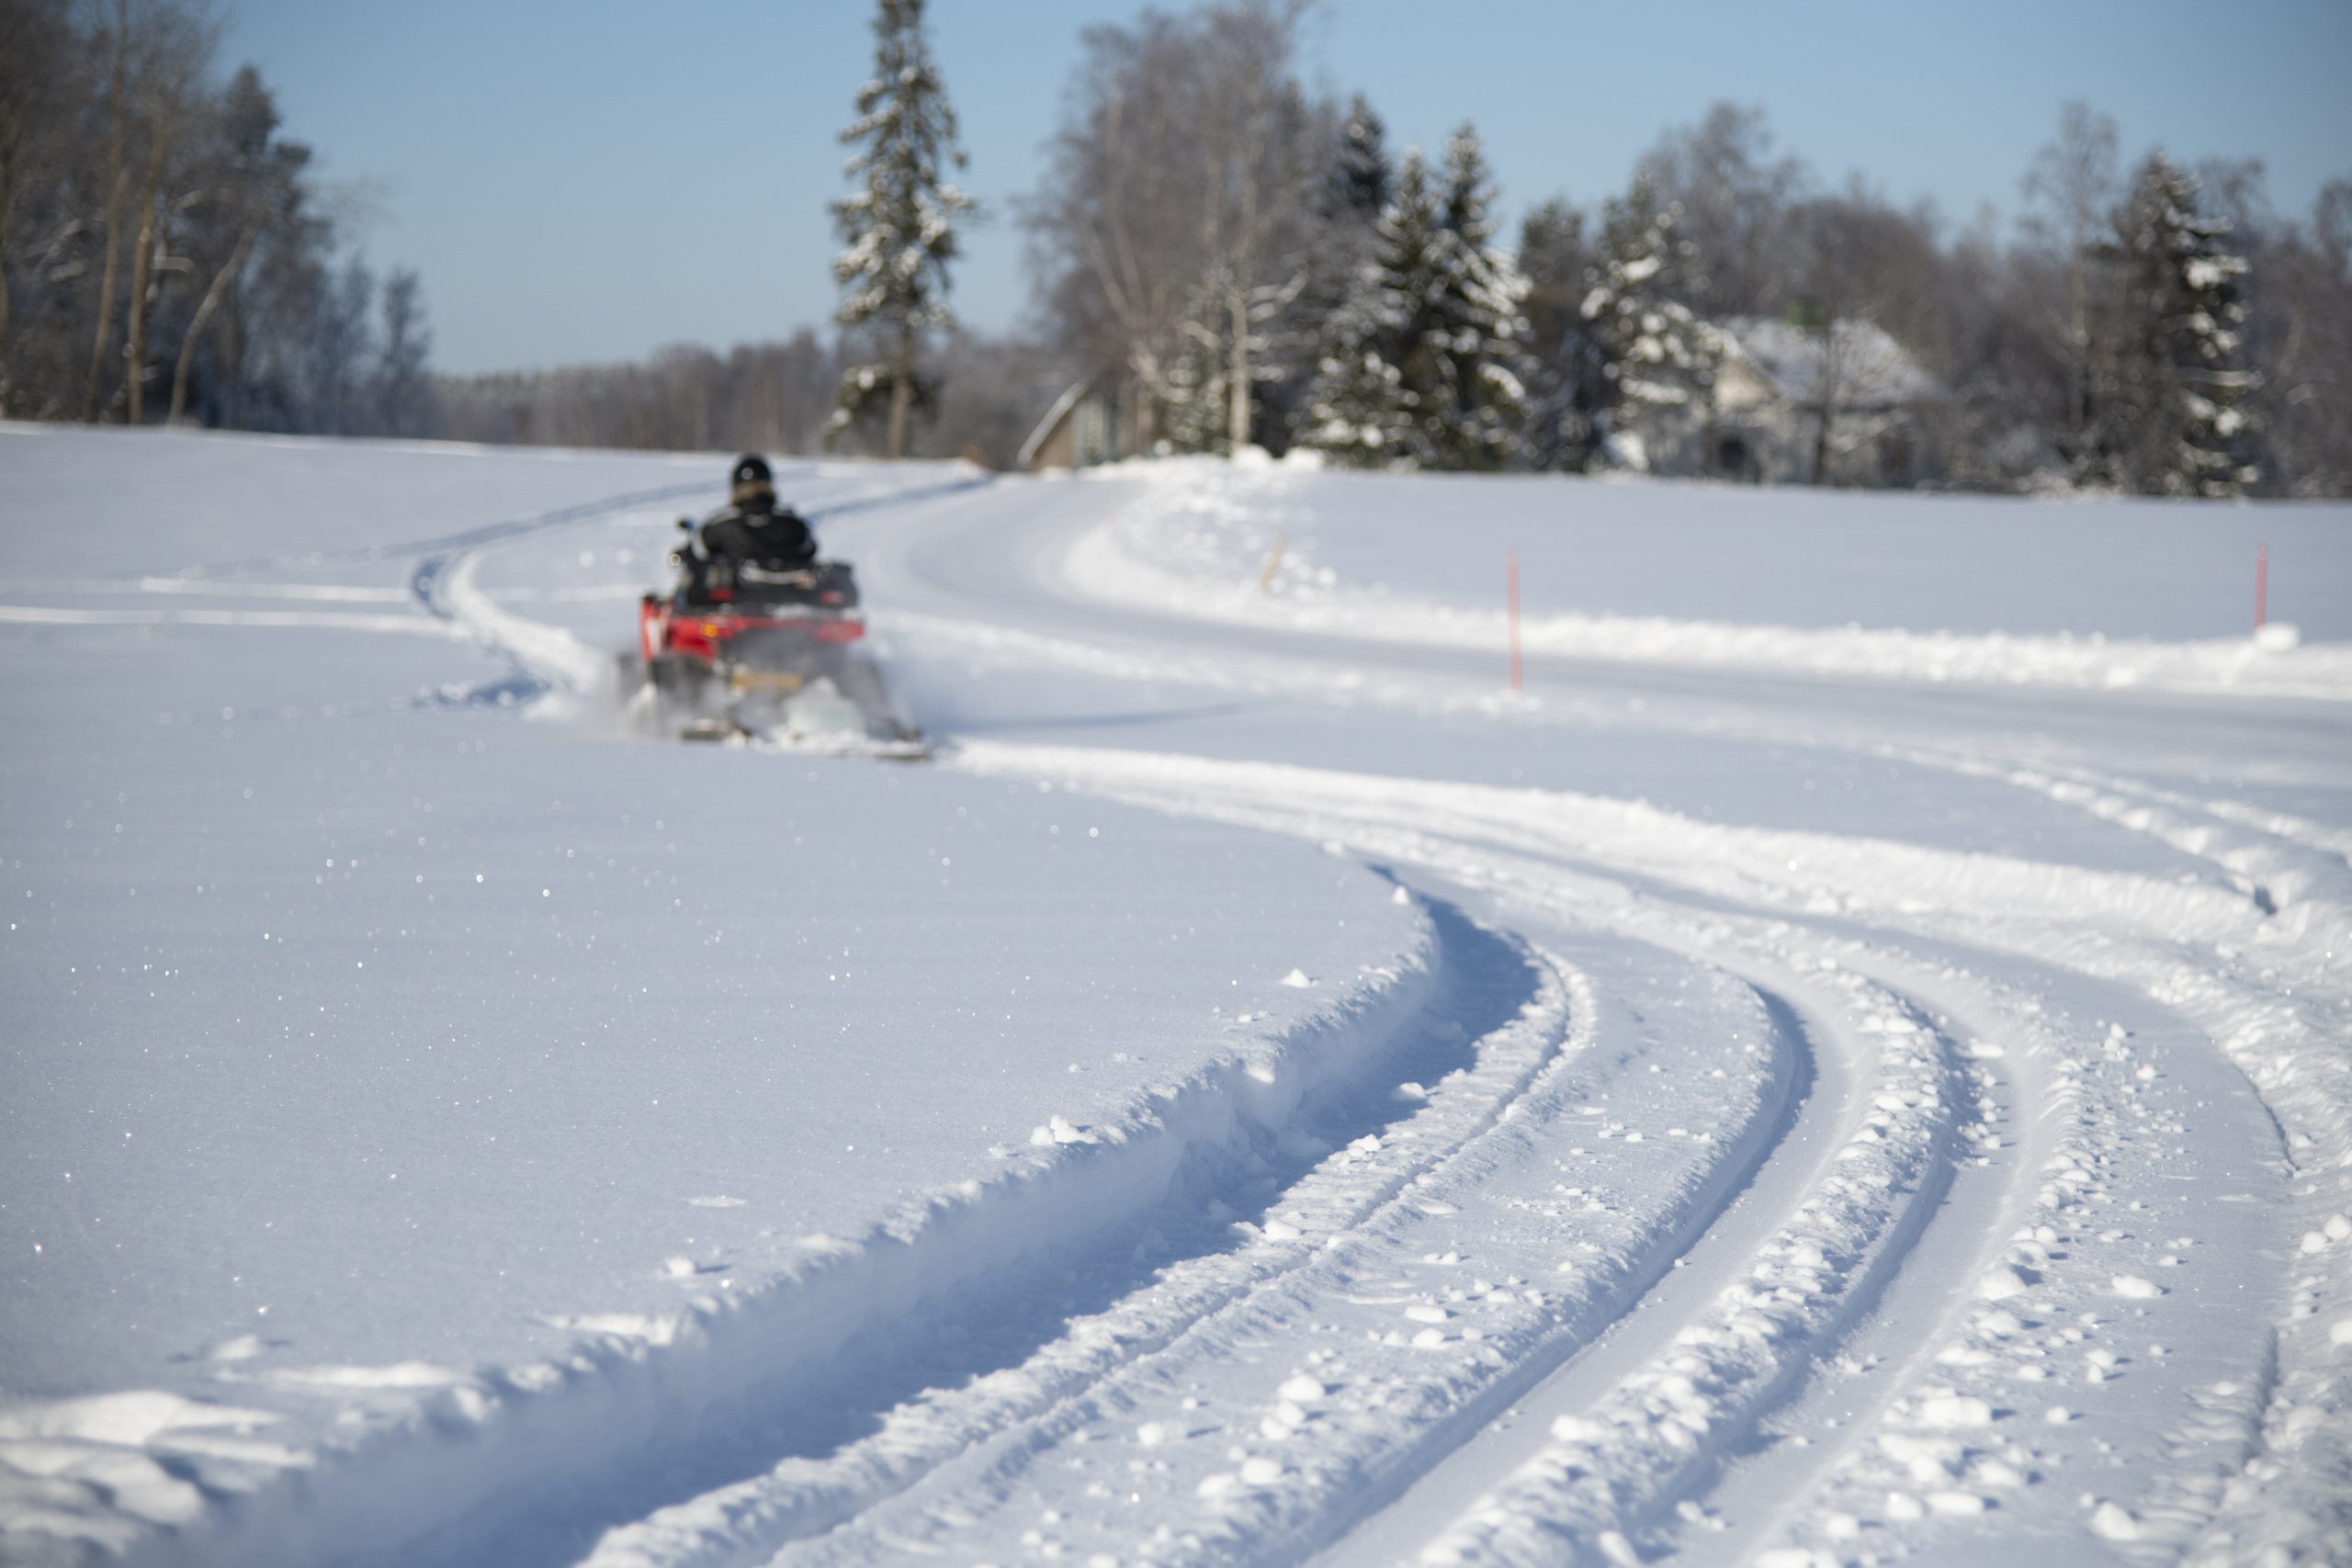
<point>1361,178</point>
<point>1426,362</point>
<point>2175,384</point>
<point>1639,347</point>
<point>1477,415</point>
<point>1552,258</point>
<point>899,229</point>
<point>1349,201</point>
<point>1362,410</point>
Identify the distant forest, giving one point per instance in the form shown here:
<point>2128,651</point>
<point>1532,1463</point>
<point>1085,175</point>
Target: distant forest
<point>168,254</point>
<point>2151,326</point>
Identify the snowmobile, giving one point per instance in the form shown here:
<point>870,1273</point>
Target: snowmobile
<point>738,651</point>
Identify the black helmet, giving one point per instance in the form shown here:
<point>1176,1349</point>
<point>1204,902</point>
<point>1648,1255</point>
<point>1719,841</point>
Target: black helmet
<point>752,476</point>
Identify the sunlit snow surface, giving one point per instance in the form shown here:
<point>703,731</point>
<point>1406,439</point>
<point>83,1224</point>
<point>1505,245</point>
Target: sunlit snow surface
<point>1848,1063</point>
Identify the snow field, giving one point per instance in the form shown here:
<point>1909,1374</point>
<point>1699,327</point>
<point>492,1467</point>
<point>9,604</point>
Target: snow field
<point>1235,544</point>
<point>1769,1092</point>
<point>459,1165</point>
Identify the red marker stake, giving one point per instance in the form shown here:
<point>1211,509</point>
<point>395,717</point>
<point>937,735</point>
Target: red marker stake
<point>2261,583</point>
<point>1510,596</point>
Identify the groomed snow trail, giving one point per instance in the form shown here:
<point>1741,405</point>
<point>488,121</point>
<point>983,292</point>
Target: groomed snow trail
<point>1811,1095</point>
<point>1827,1270</point>
<point>2125,1008</point>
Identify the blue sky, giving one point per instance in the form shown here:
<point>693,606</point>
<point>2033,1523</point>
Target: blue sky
<point>589,179</point>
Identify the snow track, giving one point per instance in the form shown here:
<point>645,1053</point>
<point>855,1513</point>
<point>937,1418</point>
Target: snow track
<point>1657,1435</point>
<point>1840,1098</point>
<point>668,1401</point>
<point>1608,1291</point>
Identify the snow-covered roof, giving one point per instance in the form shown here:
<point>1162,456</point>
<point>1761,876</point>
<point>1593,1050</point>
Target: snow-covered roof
<point>1062,405</point>
<point>1857,361</point>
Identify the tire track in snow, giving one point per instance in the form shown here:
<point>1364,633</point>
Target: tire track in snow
<point>547,660</point>
<point>646,1413</point>
<point>2230,974</point>
<point>1265,1529</point>
<point>1321,1376</point>
<point>1719,1261</point>
<point>2052,1330</point>
<point>1298,800</point>
<point>1612,1475</point>
<point>2259,1464</point>
<point>1296,1201</point>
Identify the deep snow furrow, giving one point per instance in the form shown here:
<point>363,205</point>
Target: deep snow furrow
<point>1302,1215</point>
<point>531,1454</point>
<point>1268,1426</point>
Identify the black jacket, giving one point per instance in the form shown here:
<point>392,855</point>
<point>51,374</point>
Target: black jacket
<point>760,536</point>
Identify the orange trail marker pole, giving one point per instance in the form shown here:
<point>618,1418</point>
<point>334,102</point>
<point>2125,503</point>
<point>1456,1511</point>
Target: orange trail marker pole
<point>1511,598</point>
<point>2261,583</point>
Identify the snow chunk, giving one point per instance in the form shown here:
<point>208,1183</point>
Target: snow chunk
<point>133,1418</point>
<point>1298,980</point>
<point>2278,637</point>
<point>2113,1523</point>
<point>2001,1283</point>
<point>1302,1389</point>
<point>2136,1288</point>
<point>1059,1130</point>
<point>401,1374</point>
<point>1955,1410</point>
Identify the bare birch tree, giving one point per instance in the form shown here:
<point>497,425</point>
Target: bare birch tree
<point>1175,223</point>
<point>2071,192</point>
<point>255,182</point>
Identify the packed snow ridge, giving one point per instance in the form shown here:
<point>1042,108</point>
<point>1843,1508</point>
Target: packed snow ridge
<point>1845,1064</point>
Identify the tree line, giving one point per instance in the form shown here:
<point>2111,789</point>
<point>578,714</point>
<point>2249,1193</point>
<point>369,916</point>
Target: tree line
<point>167,253</point>
<point>1252,263</point>
<point>1229,258</point>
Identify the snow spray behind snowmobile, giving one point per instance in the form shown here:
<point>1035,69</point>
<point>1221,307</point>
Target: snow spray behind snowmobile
<point>740,650</point>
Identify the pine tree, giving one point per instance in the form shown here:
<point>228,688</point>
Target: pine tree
<point>1428,362</point>
<point>1361,179</point>
<point>1476,413</point>
<point>1552,257</point>
<point>1639,347</point>
<point>2175,421</point>
<point>1352,196</point>
<point>899,230</point>
<point>1362,409</point>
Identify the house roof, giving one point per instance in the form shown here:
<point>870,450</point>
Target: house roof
<point>1054,416</point>
<point>1860,365</point>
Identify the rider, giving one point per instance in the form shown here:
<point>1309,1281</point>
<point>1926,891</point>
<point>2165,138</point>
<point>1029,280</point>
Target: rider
<point>751,530</point>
